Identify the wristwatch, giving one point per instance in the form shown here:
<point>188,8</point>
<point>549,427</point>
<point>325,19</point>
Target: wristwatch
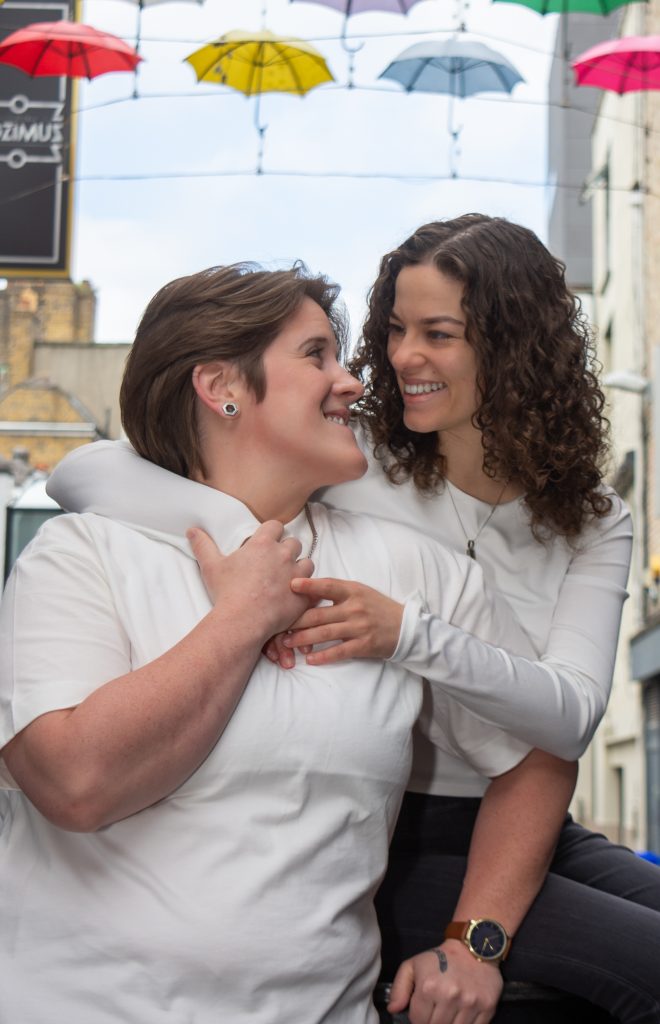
<point>487,940</point>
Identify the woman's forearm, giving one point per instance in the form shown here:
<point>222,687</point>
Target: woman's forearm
<point>514,838</point>
<point>512,845</point>
<point>554,703</point>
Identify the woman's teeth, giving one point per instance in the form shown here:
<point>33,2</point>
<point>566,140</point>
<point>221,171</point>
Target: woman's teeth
<point>421,389</point>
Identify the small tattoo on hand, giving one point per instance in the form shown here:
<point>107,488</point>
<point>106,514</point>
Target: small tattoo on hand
<point>442,960</point>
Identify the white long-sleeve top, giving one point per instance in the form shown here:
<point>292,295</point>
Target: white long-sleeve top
<point>567,598</point>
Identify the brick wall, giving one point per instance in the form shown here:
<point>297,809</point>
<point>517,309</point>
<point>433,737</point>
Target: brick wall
<point>62,310</point>
<point>52,372</point>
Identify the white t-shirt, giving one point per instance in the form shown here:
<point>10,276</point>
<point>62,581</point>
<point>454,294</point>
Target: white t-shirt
<point>246,895</point>
<point>568,600</point>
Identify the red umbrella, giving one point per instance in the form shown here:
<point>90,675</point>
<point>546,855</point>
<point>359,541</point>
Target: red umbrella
<point>624,65</point>
<point>66,48</point>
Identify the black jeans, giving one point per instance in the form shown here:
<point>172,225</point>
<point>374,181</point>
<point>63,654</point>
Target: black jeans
<point>593,930</point>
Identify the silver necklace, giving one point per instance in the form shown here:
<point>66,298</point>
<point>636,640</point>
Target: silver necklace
<point>315,536</point>
<point>471,541</point>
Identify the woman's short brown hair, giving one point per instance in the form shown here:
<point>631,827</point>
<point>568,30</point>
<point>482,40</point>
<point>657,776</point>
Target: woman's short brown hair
<point>223,313</point>
<point>541,410</point>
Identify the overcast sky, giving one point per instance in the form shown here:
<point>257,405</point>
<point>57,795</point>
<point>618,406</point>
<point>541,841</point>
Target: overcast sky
<point>167,181</point>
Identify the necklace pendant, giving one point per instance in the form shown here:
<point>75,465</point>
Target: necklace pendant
<point>470,550</point>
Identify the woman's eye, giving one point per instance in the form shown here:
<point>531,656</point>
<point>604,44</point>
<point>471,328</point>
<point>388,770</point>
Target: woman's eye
<point>316,353</point>
<point>395,329</point>
<point>438,335</point>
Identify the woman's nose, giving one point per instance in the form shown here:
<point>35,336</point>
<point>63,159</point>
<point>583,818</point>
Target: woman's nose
<point>405,352</point>
<point>348,385</point>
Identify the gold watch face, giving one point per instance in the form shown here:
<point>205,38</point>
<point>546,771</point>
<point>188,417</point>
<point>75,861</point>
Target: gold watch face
<point>487,939</point>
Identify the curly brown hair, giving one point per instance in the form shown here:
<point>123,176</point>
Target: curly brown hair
<point>541,410</point>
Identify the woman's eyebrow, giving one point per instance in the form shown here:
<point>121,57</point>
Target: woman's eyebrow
<point>441,318</point>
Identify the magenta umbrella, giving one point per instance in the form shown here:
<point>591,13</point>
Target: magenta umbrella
<point>628,64</point>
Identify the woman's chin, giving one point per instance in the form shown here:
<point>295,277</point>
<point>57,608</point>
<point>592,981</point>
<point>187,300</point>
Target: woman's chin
<point>352,470</point>
<point>417,423</point>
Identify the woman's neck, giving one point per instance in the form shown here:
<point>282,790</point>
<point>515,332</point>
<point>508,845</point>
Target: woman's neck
<point>465,470</point>
<point>265,499</point>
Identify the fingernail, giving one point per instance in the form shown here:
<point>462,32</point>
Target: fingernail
<point>191,533</point>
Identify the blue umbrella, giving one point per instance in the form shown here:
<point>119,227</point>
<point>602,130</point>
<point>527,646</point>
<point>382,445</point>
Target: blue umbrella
<point>456,67</point>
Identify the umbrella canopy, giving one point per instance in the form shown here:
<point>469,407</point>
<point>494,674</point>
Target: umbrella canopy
<point>628,64</point>
<point>258,62</point>
<point>457,67</point>
<point>68,49</point>
<point>570,6</point>
<point>349,7</point>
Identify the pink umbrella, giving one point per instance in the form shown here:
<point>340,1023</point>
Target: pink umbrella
<point>623,65</point>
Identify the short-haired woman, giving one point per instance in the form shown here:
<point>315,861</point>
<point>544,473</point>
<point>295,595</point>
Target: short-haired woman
<point>188,832</point>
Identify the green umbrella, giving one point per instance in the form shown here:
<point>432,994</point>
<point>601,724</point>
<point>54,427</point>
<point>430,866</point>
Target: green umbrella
<point>570,6</point>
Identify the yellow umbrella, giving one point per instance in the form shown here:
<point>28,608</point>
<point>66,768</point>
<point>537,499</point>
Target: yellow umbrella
<point>258,62</point>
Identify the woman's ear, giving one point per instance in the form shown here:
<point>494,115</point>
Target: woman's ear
<point>216,385</point>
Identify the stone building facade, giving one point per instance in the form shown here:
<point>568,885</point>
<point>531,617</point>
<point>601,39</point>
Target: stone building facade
<point>624,186</point>
<point>58,388</point>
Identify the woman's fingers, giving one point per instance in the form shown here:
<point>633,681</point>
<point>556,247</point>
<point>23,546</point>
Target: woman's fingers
<point>203,547</point>
<point>402,987</point>
<point>258,573</point>
<point>441,987</point>
<point>276,652</point>
<point>361,621</point>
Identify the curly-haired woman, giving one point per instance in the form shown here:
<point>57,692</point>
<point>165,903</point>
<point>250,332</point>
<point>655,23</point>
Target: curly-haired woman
<point>483,420</point>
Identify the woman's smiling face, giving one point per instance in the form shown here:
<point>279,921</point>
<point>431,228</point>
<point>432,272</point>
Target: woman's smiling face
<point>303,417</point>
<point>435,365</point>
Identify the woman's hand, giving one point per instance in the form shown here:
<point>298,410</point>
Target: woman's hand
<point>258,574</point>
<point>446,985</point>
<point>361,622</point>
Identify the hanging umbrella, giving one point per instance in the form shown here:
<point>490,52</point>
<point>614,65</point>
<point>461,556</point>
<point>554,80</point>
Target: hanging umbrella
<point>456,67</point>
<point>66,48</point>
<point>349,7</point>
<point>569,6</point>
<point>257,62</point>
<point>627,64</point>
